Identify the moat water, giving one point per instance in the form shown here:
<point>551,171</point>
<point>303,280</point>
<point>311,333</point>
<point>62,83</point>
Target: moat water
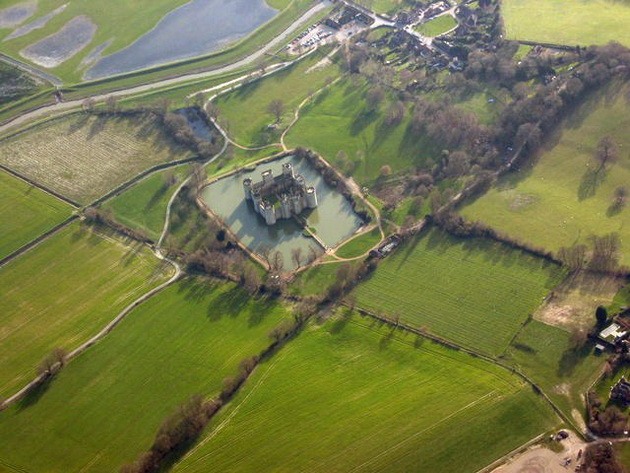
<point>333,219</point>
<point>196,28</point>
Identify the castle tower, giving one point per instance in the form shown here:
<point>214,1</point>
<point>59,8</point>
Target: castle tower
<point>296,203</point>
<point>285,206</point>
<point>267,176</point>
<point>287,169</point>
<point>311,197</point>
<point>269,213</point>
<point>247,187</point>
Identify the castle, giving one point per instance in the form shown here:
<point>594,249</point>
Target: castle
<point>280,197</point>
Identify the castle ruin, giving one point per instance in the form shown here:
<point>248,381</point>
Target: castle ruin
<point>280,197</point>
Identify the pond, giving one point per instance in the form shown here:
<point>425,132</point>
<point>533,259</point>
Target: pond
<point>194,29</point>
<point>197,123</point>
<point>333,220</point>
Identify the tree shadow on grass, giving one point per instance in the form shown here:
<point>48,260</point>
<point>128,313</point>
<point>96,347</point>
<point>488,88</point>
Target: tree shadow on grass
<point>157,195</point>
<point>362,120</point>
<point>572,357</point>
<point>259,310</point>
<point>78,124</point>
<point>97,127</point>
<point>195,289</point>
<point>230,303</point>
<point>342,319</point>
<point>35,394</point>
<point>591,181</point>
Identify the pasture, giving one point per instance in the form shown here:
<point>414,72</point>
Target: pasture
<point>184,341</point>
<point>473,292</point>
<point>62,292</point>
<point>25,213</point>
<point>84,156</point>
<point>290,86</point>
<point>563,199</point>
<point>437,26</point>
<point>350,395</point>
<point>568,22</point>
<point>561,369</point>
<point>339,119</point>
<point>143,206</point>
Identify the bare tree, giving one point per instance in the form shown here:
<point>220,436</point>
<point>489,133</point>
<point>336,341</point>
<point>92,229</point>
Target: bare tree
<point>251,280</point>
<point>277,262</point>
<point>265,252</point>
<point>607,152</point>
<point>276,108</point>
<point>199,99</point>
<point>111,103</point>
<point>296,255</point>
<point>53,362</point>
<point>312,254</point>
<point>605,255</point>
<point>620,198</point>
<point>573,257</point>
<point>88,104</point>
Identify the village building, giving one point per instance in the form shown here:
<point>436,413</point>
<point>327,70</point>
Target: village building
<point>280,197</point>
<point>620,392</point>
<point>612,334</point>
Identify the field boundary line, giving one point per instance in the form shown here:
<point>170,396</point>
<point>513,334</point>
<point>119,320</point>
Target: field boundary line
<point>102,333</point>
<point>500,461</point>
<point>37,241</point>
<point>512,369</point>
<point>41,187</point>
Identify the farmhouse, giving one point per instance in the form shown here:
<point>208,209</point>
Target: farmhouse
<point>620,392</point>
<point>612,334</point>
<point>280,197</point>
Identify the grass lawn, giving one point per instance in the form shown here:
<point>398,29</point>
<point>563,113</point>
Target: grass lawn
<point>359,245</point>
<point>83,157</point>
<point>25,213</point>
<point>338,120</point>
<point>234,158</point>
<point>437,26</point>
<point>561,200</point>
<point>291,86</point>
<point>315,280</point>
<point>352,396</point>
<point>64,291</point>
<point>474,292</point>
<point>388,6</point>
<point>545,354</point>
<point>143,207</point>
<point>105,407</point>
<point>567,21</point>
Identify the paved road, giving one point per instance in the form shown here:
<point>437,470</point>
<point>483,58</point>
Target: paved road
<point>65,106</point>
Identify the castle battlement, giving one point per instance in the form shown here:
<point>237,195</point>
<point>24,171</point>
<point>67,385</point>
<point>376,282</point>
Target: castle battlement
<point>280,197</point>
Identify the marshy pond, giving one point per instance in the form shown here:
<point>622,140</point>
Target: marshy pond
<point>333,220</point>
<point>196,28</point>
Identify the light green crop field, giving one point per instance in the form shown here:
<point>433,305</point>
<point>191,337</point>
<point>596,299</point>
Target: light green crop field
<point>106,406</point>
<point>546,355</point>
<point>82,157</point>
<point>569,22</point>
<point>338,120</point>
<point>143,207</point>
<point>25,213</point>
<point>474,292</point>
<point>352,396</point>
<point>291,86</point>
<point>562,200</point>
<point>64,291</point>
<point>437,26</point>
<point>359,245</point>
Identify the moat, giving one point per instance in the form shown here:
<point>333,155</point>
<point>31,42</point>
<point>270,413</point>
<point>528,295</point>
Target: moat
<point>333,219</point>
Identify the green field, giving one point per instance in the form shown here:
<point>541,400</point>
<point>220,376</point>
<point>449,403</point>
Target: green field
<point>546,355</point>
<point>64,291</point>
<point>83,156</point>
<point>386,6</point>
<point>567,21</point>
<point>143,207</point>
<point>291,86</point>
<point>25,213</point>
<point>561,200</point>
<point>437,26</point>
<point>105,407</point>
<point>338,120</point>
<point>352,396</point>
<point>474,292</point>
<point>360,245</point>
